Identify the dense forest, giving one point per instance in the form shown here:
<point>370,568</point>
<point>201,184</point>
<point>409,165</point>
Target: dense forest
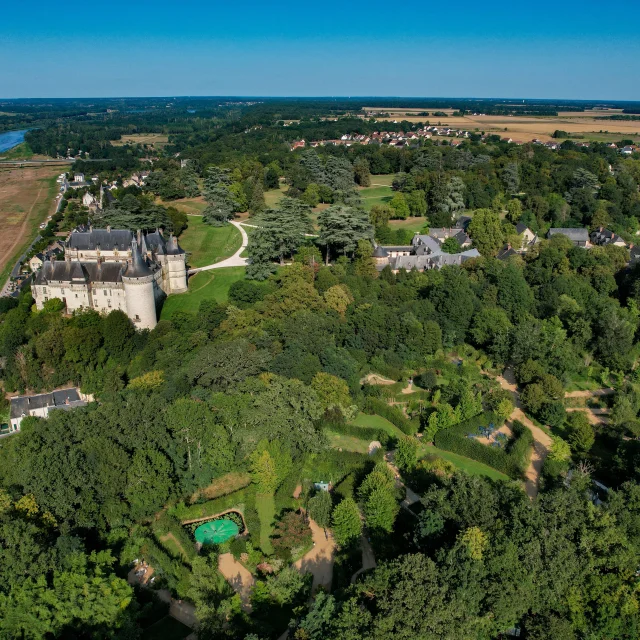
<point>262,394</point>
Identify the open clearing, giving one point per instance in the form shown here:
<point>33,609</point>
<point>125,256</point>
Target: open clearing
<point>375,195</point>
<point>152,139</point>
<point>208,285</point>
<point>472,467</point>
<point>273,196</point>
<point>26,197</point>
<point>410,224</point>
<point>191,206</point>
<point>206,244</point>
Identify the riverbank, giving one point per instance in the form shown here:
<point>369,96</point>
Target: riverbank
<point>11,139</point>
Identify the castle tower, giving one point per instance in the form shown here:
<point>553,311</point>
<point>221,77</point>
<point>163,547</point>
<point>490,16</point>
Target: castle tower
<point>176,266</point>
<point>138,290</point>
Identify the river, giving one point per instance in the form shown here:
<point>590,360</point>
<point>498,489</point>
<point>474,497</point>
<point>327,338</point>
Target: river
<point>10,139</point>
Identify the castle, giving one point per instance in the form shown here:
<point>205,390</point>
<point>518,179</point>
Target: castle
<point>106,269</point>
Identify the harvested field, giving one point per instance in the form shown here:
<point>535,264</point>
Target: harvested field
<point>589,124</point>
<point>152,139</point>
<point>27,196</point>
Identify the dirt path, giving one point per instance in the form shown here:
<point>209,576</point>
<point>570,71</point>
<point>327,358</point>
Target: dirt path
<point>376,378</point>
<point>595,415</point>
<point>239,577</point>
<point>541,440</point>
<point>411,496</point>
<point>233,261</point>
<point>607,391</point>
<point>319,561</point>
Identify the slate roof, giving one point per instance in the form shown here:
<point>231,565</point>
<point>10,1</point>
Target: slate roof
<point>506,252</point>
<point>380,252</point>
<point>575,235</point>
<point>67,271</point>
<point>521,227</point>
<point>138,267</point>
<point>104,239</point>
<point>173,248</point>
<point>63,399</point>
<point>432,261</point>
<point>604,236</point>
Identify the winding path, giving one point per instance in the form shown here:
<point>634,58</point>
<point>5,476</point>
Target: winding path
<point>319,560</point>
<point>233,261</point>
<point>541,440</point>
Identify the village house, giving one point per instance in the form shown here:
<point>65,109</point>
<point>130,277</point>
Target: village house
<point>579,237</point>
<point>528,237</point>
<point>602,236</point>
<point>42,404</point>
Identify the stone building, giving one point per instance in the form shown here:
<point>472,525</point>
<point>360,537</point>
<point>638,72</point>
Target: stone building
<point>106,269</point>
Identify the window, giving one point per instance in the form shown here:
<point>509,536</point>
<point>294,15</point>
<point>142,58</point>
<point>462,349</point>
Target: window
<point>44,289</point>
<point>104,291</point>
<point>109,304</point>
<point>76,295</point>
<point>46,299</point>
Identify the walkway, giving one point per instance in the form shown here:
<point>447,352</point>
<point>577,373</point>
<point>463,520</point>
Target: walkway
<point>541,440</point>
<point>607,391</point>
<point>235,260</point>
<point>319,561</point>
<point>368,558</point>
<point>239,577</point>
<point>411,497</point>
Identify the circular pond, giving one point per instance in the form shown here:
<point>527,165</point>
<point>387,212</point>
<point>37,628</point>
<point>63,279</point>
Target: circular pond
<point>216,532</point>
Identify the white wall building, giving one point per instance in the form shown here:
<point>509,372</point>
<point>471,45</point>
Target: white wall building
<point>107,269</point>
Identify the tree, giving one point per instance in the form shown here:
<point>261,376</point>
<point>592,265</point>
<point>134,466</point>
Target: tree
<point>580,433</point>
<point>346,522</point>
<point>380,510</point>
<point>364,264</point>
<point>451,245</point>
<point>511,178</point>
<point>311,195</point>
<point>486,232</point>
<point>361,172</point>
<point>320,506</point>
<point>221,203</point>
<point>417,203</point>
<point>475,541</point>
<point>342,227</point>
<point>399,206</point>
<point>514,211</point>
<point>559,450</point>
<point>333,392</point>
<point>452,200</point>
<point>406,454</point>
<point>290,532</point>
<point>263,471</point>
<point>338,298</point>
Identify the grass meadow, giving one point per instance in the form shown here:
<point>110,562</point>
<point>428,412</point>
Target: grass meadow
<point>206,244</point>
<point>206,285</point>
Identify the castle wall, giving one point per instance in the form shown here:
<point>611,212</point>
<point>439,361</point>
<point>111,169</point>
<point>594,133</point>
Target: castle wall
<point>141,301</point>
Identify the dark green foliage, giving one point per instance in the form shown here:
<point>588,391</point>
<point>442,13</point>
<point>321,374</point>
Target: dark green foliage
<point>364,433</point>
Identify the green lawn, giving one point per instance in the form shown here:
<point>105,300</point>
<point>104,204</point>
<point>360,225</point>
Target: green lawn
<point>188,205</point>
<point>375,195</point>
<point>273,196</point>
<point>384,179</point>
<point>472,467</point>
<point>410,224</point>
<point>266,508</point>
<point>377,422</point>
<point>166,629</point>
<point>206,244</point>
<point>206,285</point>
<point>347,443</point>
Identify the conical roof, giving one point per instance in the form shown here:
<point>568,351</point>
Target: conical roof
<point>138,267</point>
<point>380,252</point>
<point>173,248</point>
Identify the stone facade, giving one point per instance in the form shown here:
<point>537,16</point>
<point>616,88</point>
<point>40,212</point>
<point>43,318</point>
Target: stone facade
<point>107,269</point>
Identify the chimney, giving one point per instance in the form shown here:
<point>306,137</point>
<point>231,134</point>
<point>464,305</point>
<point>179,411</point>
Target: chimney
<point>108,228</point>
<point>508,245</point>
<point>601,229</point>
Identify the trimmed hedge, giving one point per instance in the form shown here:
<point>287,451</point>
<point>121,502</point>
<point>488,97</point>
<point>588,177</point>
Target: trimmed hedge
<point>363,433</point>
<point>167,524</point>
<point>211,507</point>
<point>392,414</point>
<point>512,461</point>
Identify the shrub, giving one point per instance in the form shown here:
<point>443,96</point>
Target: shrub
<point>234,500</point>
<point>513,461</point>
<point>168,524</point>
<point>237,547</point>
<point>392,414</point>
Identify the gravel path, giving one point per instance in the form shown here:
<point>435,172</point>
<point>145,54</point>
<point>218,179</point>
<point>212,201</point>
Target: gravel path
<point>319,561</point>
<point>239,577</point>
<point>233,261</point>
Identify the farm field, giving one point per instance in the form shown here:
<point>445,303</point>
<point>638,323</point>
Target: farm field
<point>26,198</point>
<point>206,285</point>
<point>153,139</point>
<point>206,244</point>
<point>526,128</point>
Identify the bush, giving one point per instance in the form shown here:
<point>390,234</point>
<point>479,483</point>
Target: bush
<point>392,414</point>
<point>513,461</point>
<point>237,547</point>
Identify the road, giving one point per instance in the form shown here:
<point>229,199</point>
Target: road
<point>233,261</point>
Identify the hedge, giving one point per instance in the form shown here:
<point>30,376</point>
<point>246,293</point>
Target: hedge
<point>392,414</point>
<point>512,461</point>
<point>167,524</point>
<point>184,512</point>
<point>363,433</point>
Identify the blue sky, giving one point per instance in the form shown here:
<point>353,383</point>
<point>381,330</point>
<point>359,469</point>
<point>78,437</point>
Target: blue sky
<point>513,49</point>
